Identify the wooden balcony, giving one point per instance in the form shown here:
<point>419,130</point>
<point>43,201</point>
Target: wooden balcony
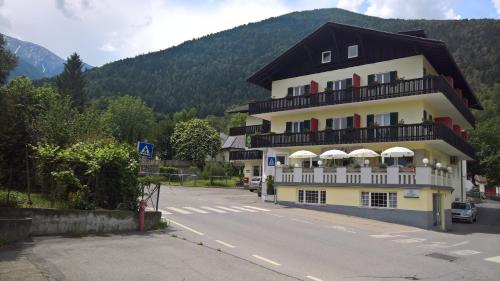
<point>245,155</point>
<point>400,88</point>
<point>420,176</point>
<point>398,133</point>
<point>249,130</point>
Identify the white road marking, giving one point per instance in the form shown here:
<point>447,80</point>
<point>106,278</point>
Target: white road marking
<point>460,244</point>
<point>244,209</point>
<point>225,244</point>
<point>274,215</point>
<point>302,221</point>
<point>313,278</point>
<point>441,245</point>
<point>179,210</point>
<point>188,228</point>
<point>228,209</point>
<point>266,260</point>
<point>409,240</point>
<point>257,208</point>
<point>196,210</point>
<point>493,259</point>
<point>341,228</point>
<point>163,212</point>
<point>213,209</point>
<point>404,231</point>
<point>386,236</point>
<point>465,252</point>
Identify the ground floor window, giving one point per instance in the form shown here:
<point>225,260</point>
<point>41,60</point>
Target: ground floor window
<point>312,196</point>
<point>379,199</point>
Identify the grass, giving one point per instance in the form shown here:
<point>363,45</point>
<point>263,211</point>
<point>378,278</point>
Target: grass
<point>38,200</point>
<point>229,182</point>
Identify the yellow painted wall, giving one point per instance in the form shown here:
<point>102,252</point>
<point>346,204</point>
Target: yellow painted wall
<point>248,169</point>
<point>407,68</point>
<point>351,196</point>
<point>251,120</point>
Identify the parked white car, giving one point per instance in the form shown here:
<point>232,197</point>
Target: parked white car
<point>254,183</point>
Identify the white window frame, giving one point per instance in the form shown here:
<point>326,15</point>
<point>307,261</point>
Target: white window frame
<point>328,59</point>
<point>390,204</point>
<point>339,123</point>
<point>298,91</point>
<point>385,118</point>
<point>321,193</point>
<point>380,76</point>
<point>351,49</point>
<point>296,123</point>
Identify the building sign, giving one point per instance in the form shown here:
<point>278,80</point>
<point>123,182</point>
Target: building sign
<point>412,193</point>
<point>271,161</point>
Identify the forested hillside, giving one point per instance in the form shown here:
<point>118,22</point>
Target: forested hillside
<point>210,73</point>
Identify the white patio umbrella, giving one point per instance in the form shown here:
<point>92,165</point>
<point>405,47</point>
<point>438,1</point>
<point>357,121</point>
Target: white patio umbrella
<point>397,152</point>
<point>303,154</point>
<point>363,153</point>
<point>333,154</point>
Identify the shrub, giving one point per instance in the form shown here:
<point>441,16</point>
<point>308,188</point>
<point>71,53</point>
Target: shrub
<point>13,199</point>
<point>81,199</point>
<point>270,185</point>
<point>168,170</point>
<point>213,169</point>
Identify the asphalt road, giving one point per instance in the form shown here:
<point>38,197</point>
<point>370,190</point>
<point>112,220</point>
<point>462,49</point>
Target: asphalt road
<point>225,234</point>
<point>315,245</point>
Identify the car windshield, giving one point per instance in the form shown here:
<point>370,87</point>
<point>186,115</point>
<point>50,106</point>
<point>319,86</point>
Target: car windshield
<point>456,205</point>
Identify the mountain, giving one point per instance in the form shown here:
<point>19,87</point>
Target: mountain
<point>34,61</point>
<point>210,73</point>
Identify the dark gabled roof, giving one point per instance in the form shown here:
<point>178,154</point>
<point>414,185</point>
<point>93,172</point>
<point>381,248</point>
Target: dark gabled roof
<point>434,50</point>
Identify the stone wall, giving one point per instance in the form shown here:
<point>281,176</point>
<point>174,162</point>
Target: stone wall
<point>56,221</point>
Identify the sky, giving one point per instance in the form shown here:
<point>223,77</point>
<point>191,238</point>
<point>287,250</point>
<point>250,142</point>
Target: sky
<point>103,31</point>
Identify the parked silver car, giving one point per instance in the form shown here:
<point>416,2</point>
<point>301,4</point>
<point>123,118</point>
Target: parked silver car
<point>464,211</point>
<point>254,184</point>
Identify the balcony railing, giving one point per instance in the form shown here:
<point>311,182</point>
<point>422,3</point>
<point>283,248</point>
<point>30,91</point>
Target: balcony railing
<point>397,133</point>
<point>245,155</point>
<point>248,130</point>
<point>363,176</point>
<point>400,88</point>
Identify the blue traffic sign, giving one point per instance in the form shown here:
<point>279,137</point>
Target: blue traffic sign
<point>145,149</point>
<point>271,161</point>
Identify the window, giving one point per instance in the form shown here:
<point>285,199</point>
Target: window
<point>383,77</point>
<point>339,84</point>
<point>379,199</point>
<point>383,119</point>
<point>339,123</point>
<point>301,196</point>
<point>312,196</point>
<point>326,57</point>
<point>352,51</point>
<point>298,91</point>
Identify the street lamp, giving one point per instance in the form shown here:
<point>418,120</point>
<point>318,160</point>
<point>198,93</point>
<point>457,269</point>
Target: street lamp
<point>425,161</point>
<point>367,162</point>
<point>320,163</point>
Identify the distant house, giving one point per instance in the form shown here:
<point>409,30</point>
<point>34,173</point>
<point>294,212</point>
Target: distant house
<point>345,87</point>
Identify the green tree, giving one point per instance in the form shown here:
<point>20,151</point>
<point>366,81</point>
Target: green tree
<point>55,124</point>
<point>194,140</point>
<point>71,81</point>
<point>486,140</point>
<point>130,119</point>
<point>237,120</point>
<point>7,61</point>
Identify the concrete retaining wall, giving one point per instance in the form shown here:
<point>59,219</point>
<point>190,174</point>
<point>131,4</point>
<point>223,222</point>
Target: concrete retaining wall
<point>55,221</point>
<point>14,229</point>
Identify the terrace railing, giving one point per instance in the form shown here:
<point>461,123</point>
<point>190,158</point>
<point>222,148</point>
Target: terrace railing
<point>397,133</point>
<point>245,155</point>
<point>399,88</point>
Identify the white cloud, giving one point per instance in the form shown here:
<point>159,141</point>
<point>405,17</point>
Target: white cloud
<point>107,47</point>
<point>496,3</point>
<point>412,9</point>
<point>73,8</point>
<point>351,5</point>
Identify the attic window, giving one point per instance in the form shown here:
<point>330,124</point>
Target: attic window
<point>326,57</point>
<point>352,51</point>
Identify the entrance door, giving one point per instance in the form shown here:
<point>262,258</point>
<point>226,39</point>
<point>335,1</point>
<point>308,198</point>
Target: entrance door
<point>436,208</point>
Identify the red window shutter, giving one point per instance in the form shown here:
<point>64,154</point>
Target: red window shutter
<point>465,136</point>
<point>458,92</point>
<point>444,120</point>
<point>357,121</point>
<point>457,129</point>
<point>314,87</point>
<point>314,125</point>
<point>466,102</point>
<point>356,80</point>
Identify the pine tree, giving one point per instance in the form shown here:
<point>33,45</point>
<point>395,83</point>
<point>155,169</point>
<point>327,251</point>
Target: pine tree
<point>71,81</point>
<point>7,61</point>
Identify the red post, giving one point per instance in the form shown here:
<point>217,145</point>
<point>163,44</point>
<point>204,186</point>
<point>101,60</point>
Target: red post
<point>142,208</point>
